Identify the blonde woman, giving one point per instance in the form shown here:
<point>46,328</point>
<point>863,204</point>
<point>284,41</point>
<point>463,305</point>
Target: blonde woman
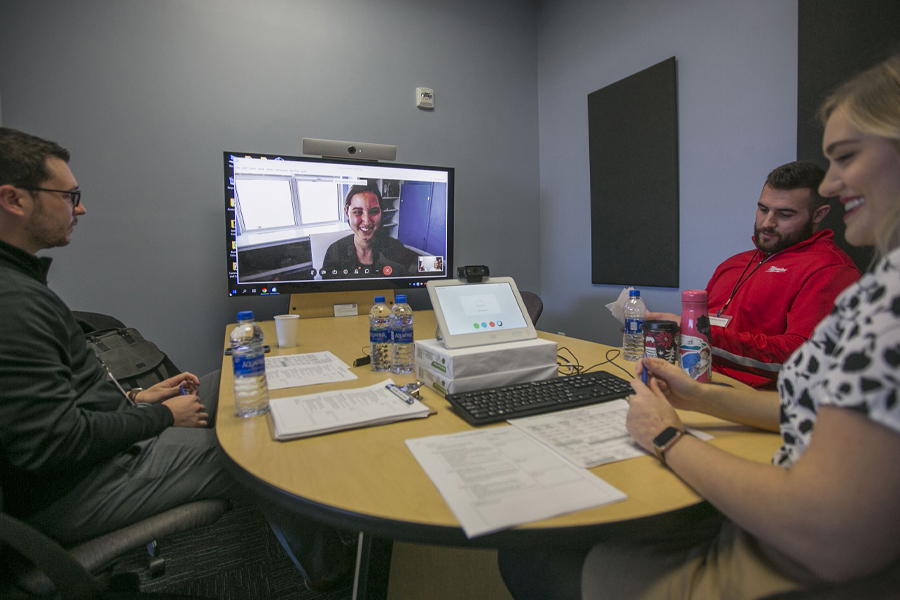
<point>828,508</point>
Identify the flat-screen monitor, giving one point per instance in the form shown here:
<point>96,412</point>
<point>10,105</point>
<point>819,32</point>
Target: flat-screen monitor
<point>300,224</point>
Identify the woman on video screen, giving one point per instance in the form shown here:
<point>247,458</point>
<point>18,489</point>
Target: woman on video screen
<point>370,246</point>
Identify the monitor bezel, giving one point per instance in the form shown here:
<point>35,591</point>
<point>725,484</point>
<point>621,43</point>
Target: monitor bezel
<point>329,285</point>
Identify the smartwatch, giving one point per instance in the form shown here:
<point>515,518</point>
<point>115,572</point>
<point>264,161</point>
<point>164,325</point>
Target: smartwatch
<point>665,440</point>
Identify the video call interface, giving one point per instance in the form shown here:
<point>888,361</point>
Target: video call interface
<point>295,221</point>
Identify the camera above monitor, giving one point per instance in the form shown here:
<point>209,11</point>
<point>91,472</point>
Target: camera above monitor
<point>354,150</point>
<point>301,224</point>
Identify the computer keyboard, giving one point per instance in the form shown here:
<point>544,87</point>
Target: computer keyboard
<point>538,397</point>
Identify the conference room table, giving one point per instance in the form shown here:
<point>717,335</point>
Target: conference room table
<point>366,480</point>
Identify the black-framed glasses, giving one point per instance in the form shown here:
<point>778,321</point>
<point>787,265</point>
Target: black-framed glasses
<point>74,195</point>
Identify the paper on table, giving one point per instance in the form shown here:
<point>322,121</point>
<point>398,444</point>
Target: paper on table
<point>497,478</point>
<point>314,414</point>
<point>295,370</point>
<point>588,436</point>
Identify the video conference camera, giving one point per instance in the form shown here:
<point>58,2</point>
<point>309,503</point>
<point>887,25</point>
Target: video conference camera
<point>355,150</point>
<point>473,273</point>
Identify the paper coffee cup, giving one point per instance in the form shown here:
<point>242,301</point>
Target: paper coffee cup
<point>286,330</point>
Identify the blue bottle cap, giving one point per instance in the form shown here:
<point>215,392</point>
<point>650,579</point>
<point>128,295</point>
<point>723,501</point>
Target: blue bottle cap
<point>379,299</point>
<point>634,293</point>
<point>400,299</point>
<point>245,315</point>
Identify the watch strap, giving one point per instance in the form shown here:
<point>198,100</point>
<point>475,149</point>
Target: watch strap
<point>664,442</point>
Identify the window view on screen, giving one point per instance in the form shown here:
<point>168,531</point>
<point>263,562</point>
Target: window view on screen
<point>480,307</point>
<point>297,224</point>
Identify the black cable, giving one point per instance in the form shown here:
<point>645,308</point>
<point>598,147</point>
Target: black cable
<point>609,361</point>
<point>574,369</point>
<point>577,368</point>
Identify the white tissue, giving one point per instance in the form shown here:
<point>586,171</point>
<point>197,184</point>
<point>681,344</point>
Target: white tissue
<point>617,308</point>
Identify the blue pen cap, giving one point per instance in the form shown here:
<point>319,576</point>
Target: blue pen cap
<point>401,298</point>
<point>634,293</point>
<point>379,299</point>
<point>245,315</point>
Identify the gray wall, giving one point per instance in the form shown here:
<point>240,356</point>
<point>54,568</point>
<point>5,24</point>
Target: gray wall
<point>147,95</point>
<point>737,106</point>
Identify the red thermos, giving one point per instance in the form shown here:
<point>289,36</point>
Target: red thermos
<point>696,353</point>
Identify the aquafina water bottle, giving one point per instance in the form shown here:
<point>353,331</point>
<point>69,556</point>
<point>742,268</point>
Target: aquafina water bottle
<point>251,392</point>
<point>403,358</point>
<point>633,340</point>
<point>380,335</point>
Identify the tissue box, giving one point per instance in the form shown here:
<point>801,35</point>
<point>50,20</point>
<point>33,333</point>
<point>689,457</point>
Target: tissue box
<point>462,363</point>
<point>443,385</point>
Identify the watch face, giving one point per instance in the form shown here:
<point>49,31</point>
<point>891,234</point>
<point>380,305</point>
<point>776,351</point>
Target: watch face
<point>665,437</point>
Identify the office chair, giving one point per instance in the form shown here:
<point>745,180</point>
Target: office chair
<point>533,304</point>
<point>83,570</point>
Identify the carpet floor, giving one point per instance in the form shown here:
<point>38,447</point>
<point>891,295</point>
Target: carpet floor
<point>235,558</point>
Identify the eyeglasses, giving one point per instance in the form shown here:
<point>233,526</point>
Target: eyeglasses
<point>74,195</point>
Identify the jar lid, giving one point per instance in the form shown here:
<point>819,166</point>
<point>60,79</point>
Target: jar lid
<point>694,296</point>
<point>660,326</point>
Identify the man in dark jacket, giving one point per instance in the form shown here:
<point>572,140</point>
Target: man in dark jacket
<point>77,457</point>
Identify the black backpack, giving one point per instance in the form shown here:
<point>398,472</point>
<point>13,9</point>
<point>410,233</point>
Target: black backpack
<point>132,360</point>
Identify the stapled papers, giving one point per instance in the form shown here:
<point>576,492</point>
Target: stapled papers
<point>314,414</point>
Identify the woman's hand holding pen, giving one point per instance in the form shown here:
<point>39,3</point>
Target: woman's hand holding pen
<point>649,412</point>
<point>677,387</point>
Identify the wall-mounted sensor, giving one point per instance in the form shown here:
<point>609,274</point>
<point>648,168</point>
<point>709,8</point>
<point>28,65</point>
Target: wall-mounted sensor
<point>425,97</point>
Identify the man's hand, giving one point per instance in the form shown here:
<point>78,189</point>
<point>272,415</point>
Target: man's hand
<point>652,316</point>
<point>188,411</point>
<point>170,388</point>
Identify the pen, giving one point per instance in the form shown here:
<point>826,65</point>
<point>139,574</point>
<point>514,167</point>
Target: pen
<point>644,372</point>
<point>399,393</point>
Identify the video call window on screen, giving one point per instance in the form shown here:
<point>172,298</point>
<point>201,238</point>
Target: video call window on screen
<point>298,224</point>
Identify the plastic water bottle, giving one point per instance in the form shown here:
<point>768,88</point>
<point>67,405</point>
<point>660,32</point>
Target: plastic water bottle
<point>403,358</point>
<point>380,335</point>
<point>633,340</point>
<point>251,392</point>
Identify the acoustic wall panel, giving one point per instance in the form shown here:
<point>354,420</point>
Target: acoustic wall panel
<point>633,136</point>
<point>838,39</point>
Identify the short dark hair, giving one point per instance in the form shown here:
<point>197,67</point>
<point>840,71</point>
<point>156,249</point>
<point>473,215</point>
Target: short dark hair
<point>23,158</point>
<point>799,175</point>
<point>371,187</point>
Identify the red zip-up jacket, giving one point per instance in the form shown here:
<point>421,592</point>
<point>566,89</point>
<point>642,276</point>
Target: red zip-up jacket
<point>776,307</point>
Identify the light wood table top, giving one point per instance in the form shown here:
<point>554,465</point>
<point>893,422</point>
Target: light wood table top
<point>366,479</point>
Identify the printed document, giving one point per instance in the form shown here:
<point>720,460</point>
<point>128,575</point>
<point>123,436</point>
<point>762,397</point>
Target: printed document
<point>295,370</point>
<point>314,414</point>
<point>497,478</point>
<point>589,436</point>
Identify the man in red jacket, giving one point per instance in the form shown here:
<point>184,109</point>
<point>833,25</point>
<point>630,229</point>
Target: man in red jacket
<point>765,302</point>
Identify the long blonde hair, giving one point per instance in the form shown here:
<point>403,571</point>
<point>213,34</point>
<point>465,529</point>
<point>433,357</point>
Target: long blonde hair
<point>871,102</point>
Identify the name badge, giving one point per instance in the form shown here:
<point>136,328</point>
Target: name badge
<point>719,321</point>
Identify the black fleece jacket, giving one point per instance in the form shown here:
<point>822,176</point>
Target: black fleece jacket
<point>59,416</point>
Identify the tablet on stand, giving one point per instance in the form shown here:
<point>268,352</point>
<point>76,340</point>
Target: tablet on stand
<point>475,314</point>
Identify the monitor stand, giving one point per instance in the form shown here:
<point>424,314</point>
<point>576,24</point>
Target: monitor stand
<point>322,304</point>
